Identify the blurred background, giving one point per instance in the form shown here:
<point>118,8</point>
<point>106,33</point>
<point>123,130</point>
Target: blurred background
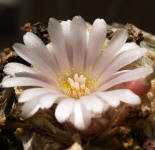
<point>15,13</point>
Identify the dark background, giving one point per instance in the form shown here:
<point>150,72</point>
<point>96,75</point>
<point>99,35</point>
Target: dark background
<point>15,13</point>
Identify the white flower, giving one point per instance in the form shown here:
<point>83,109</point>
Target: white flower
<point>72,72</point>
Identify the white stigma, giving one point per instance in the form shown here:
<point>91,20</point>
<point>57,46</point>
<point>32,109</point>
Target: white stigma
<point>78,86</point>
<point>78,83</point>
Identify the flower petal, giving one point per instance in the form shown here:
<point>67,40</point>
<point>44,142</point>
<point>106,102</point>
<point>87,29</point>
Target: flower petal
<point>128,46</point>
<point>81,117</point>
<point>108,98</point>
<point>114,97</point>
<point>41,101</point>
<point>79,41</point>
<point>128,76</point>
<point>38,48</point>
<point>66,28</point>
<point>32,57</point>
<point>12,68</point>
<point>32,93</point>
<point>101,81</point>
<point>111,51</point>
<point>24,81</point>
<point>37,76</point>
<point>96,41</point>
<point>48,100</point>
<point>123,60</point>
<point>66,31</point>
<point>58,42</point>
<point>118,73</point>
<point>93,104</point>
<point>64,109</point>
<point>30,107</point>
<point>50,48</point>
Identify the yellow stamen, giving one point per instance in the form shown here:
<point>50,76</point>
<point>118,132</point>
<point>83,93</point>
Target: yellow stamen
<point>75,85</point>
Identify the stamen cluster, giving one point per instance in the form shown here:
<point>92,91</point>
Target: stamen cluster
<point>75,85</point>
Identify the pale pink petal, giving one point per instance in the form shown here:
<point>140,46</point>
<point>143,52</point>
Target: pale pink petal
<point>31,57</point>
<point>123,60</point>
<point>22,51</point>
<point>114,97</point>
<point>13,68</point>
<point>38,48</point>
<point>81,117</point>
<point>128,46</point>
<point>66,31</point>
<point>31,94</point>
<point>93,104</point>
<point>101,81</point>
<point>41,101</point>
<point>37,76</point>
<point>96,41</point>
<point>50,48</point>
<point>35,44</point>
<point>58,42</point>
<point>24,81</point>
<point>108,98</point>
<point>30,108</point>
<point>34,92</point>
<point>111,51</point>
<point>79,41</point>
<point>64,110</point>
<point>131,50</point>
<point>66,28</point>
<point>48,100</point>
<point>128,76</point>
<point>118,73</point>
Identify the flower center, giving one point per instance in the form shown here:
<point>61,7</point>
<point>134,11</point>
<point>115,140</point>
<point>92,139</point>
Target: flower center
<point>75,85</point>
